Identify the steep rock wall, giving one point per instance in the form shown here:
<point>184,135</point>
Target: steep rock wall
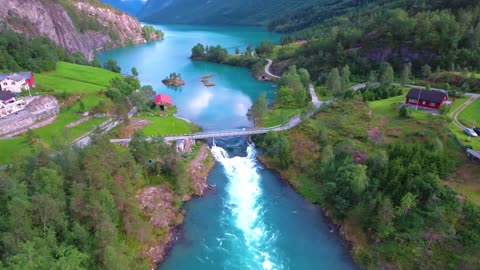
<point>47,18</point>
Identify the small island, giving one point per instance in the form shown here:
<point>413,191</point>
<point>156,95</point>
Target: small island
<point>174,79</point>
<point>206,82</point>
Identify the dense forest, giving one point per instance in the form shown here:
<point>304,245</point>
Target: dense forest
<point>20,53</point>
<point>76,208</point>
<point>383,185</point>
<point>444,35</point>
<point>217,12</point>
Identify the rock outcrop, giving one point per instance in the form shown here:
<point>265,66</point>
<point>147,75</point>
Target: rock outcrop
<point>50,19</point>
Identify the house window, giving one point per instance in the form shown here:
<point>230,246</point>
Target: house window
<point>413,100</point>
<point>5,83</point>
<point>433,104</point>
<point>13,83</point>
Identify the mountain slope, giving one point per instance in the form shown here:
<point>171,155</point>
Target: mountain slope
<point>131,7</point>
<point>78,26</point>
<point>247,12</point>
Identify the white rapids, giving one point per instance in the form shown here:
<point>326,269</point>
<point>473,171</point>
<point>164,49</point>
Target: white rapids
<point>244,201</point>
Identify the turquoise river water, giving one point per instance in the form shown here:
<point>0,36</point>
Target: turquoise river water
<point>252,219</point>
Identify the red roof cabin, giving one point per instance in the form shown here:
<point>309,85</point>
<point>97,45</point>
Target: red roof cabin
<point>428,99</point>
<point>163,101</point>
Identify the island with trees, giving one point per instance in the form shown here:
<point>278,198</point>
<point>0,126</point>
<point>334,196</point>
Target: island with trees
<point>174,79</point>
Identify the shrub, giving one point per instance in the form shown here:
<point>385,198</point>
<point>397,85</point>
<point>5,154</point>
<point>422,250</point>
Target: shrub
<point>404,111</point>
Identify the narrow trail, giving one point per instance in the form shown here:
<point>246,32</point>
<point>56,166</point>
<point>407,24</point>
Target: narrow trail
<point>267,70</point>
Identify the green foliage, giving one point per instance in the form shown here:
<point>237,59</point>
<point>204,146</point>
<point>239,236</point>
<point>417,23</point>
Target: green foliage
<point>379,92</point>
<point>363,34</point>
<point>387,74</point>
<point>334,83</point>
<point>276,145</point>
<point>134,71</point>
<point>18,53</point>
<point>198,51</point>
<point>216,54</point>
<point>293,86</point>
<point>151,33</point>
<point>265,48</point>
<point>406,73</point>
<point>404,111</point>
<point>112,65</point>
<point>83,22</point>
<point>76,209</point>
<point>217,12</point>
<point>258,109</point>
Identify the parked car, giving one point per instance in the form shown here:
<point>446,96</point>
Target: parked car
<point>477,130</point>
<point>470,132</point>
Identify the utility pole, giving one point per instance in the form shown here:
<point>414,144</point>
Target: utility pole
<point>418,100</point>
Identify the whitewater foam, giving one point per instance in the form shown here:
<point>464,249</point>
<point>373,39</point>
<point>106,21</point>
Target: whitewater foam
<point>244,201</point>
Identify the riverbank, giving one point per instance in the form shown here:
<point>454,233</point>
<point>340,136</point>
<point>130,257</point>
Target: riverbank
<point>335,226</point>
<point>160,204</point>
<point>353,160</point>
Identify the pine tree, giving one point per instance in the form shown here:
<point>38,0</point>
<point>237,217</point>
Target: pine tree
<point>334,83</point>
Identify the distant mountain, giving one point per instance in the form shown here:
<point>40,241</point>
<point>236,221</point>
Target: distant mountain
<point>240,12</point>
<point>131,7</point>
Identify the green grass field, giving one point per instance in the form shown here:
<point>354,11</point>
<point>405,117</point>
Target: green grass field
<point>470,114</point>
<point>169,125</point>
<point>73,78</point>
<point>91,101</point>
<point>464,139</point>
<point>277,117</point>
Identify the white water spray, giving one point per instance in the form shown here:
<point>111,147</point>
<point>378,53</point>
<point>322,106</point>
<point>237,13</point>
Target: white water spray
<point>244,193</point>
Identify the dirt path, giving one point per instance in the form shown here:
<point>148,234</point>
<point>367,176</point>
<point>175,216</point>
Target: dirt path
<point>198,169</point>
<point>454,115</point>
<point>198,160</point>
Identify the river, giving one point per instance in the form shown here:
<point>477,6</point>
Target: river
<point>252,219</point>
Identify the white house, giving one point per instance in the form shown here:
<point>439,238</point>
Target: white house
<point>15,82</point>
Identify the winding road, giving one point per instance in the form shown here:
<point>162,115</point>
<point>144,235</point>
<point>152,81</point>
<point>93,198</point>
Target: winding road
<point>267,70</point>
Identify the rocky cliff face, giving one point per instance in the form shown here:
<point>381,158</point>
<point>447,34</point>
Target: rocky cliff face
<point>50,19</point>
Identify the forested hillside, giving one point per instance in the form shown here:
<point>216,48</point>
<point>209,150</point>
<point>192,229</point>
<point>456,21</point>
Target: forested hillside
<point>441,34</point>
<point>218,12</point>
<point>131,7</point>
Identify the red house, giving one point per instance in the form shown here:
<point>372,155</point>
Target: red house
<point>163,101</point>
<point>430,99</point>
<point>29,79</point>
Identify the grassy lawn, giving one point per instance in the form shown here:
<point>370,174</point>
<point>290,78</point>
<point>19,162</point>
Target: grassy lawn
<point>470,114</point>
<point>53,133</point>
<point>73,78</point>
<point>11,148</point>
<point>163,126</point>
<point>91,101</point>
<point>474,142</point>
<point>277,117</point>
